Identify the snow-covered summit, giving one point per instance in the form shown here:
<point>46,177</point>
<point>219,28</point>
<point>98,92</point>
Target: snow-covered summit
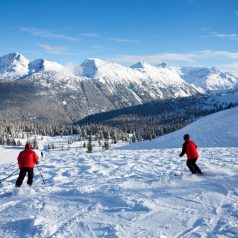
<point>144,65</point>
<point>13,62</point>
<point>94,67</point>
<point>163,65</point>
<point>89,67</point>
<point>13,66</point>
<point>45,65</point>
<point>141,65</point>
<point>107,72</point>
<point>212,80</point>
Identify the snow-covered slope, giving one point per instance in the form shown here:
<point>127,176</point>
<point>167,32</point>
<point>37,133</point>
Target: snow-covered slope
<point>212,80</point>
<point>121,194</point>
<point>216,130</point>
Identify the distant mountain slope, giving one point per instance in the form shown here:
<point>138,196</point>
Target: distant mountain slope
<point>216,130</point>
<point>170,106</point>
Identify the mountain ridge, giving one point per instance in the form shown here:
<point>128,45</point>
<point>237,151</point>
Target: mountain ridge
<point>94,86</point>
<point>204,80</point>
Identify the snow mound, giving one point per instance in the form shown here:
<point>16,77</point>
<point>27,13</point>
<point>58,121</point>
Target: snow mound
<point>216,130</point>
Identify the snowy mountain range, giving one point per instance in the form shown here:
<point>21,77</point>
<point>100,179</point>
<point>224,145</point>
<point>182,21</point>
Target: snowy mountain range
<point>180,81</point>
<point>97,85</point>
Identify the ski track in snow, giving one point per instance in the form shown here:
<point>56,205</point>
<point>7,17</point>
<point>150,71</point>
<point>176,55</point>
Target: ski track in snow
<point>124,194</point>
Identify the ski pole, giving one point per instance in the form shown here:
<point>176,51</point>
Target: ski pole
<point>181,166</point>
<point>41,175</point>
<point>9,175</point>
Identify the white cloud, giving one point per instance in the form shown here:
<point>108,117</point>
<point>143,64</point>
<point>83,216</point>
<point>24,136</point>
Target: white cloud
<point>223,54</point>
<point>232,36</point>
<point>231,68</point>
<point>47,34</point>
<point>193,58</point>
<point>56,50</point>
<point>154,59</point>
<point>116,39</point>
<point>90,34</point>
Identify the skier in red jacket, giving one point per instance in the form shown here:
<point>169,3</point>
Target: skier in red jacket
<point>190,149</point>
<point>26,161</point>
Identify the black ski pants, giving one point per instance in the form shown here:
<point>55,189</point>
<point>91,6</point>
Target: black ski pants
<point>191,163</point>
<point>22,174</point>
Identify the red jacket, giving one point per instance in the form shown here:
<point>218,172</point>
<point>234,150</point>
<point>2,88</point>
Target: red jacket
<point>190,148</point>
<point>27,159</point>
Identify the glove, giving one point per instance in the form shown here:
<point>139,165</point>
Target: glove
<point>180,155</point>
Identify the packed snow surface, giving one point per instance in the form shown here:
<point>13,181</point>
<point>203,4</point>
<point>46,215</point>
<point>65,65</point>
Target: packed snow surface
<point>125,193</point>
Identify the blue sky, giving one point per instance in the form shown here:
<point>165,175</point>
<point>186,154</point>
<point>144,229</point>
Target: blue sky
<point>179,32</point>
